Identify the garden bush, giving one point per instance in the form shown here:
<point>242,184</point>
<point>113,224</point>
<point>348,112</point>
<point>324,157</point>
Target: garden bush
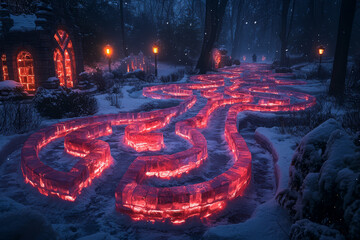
<point>64,102</point>
<point>18,117</point>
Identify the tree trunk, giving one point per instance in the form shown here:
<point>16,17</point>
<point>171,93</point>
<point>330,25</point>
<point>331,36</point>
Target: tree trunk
<point>347,14</point>
<point>310,32</point>
<point>122,25</point>
<point>213,18</point>
<point>238,30</point>
<point>283,35</point>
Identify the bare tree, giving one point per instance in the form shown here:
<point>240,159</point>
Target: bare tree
<point>122,25</point>
<point>238,30</point>
<point>283,32</point>
<point>347,14</point>
<point>215,10</point>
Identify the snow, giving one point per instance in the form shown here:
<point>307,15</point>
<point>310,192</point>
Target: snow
<point>52,79</point>
<point>25,222</point>
<point>256,215</point>
<point>23,23</point>
<point>324,166</point>
<point>96,217</point>
<point>305,229</point>
<point>9,85</point>
<point>308,156</point>
<point>164,69</point>
<point>128,103</point>
<point>269,220</point>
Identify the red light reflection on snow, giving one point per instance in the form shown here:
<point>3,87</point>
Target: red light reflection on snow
<point>253,88</point>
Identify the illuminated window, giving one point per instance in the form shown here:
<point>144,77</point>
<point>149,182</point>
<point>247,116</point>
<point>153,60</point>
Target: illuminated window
<point>4,67</point>
<point>64,59</point>
<point>26,70</point>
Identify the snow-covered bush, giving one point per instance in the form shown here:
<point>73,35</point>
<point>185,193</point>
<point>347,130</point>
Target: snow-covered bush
<point>20,222</point>
<point>353,80</point>
<point>139,74</point>
<point>304,121</point>
<point>174,77</point>
<point>351,120</point>
<point>115,95</point>
<point>153,105</point>
<point>102,80</point>
<point>305,229</point>
<point>313,71</point>
<point>18,117</point>
<point>324,184</point>
<point>84,81</point>
<point>51,83</point>
<point>64,102</point>
<point>11,90</point>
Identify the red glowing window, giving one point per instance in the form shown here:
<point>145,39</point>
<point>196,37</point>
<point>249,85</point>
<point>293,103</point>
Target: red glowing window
<point>64,59</point>
<point>26,70</point>
<point>4,67</point>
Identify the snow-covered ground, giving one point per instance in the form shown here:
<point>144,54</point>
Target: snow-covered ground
<point>269,221</point>
<point>94,214</point>
<point>256,215</point>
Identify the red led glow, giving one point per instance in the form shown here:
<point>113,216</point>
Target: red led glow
<point>216,58</point>
<point>64,59</point>
<point>5,70</point>
<point>25,63</point>
<point>253,88</point>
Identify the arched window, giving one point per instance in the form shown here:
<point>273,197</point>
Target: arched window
<point>64,59</point>
<point>25,64</point>
<point>4,67</point>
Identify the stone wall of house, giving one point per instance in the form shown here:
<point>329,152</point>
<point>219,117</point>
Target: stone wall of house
<point>39,42</point>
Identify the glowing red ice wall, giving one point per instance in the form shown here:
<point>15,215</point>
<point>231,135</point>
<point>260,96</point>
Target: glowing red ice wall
<point>251,87</point>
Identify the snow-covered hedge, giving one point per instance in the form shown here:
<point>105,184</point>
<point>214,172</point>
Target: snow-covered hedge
<point>62,102</point>
<point>20,222</point>
<point>324,184</point>
<point>17,117</point>
<point>11,90</point>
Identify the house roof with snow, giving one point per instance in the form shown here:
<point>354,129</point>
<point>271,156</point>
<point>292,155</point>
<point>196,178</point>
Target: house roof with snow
<point>23,23</point>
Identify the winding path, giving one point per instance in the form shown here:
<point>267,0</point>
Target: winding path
<point>251,87</point>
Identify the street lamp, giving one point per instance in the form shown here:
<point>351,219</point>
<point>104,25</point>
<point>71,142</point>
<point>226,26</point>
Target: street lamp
<point>321,51</point>
<point>156,51</point>
<point>108,53</point>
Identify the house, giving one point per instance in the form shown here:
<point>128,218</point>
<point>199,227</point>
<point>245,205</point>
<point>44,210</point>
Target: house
<point>34,48</point>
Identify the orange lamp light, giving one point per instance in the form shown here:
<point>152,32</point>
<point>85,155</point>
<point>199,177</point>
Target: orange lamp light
<point>155,50</point>
<point>108,50</point>
<point>321,50</point>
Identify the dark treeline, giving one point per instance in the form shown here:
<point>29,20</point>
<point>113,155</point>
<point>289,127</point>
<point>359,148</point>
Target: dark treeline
<point>248,26</point>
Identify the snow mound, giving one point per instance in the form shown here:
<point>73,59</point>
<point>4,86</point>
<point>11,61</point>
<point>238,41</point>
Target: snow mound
<point>9,85</point>
<point>308,154</point>
<point>97,236</point>
<point>10,89</point>
<point>23,23</point>
<point>305,229</point>
<point>324,183</point>
<point>25,222</point>
<point>269,221</point>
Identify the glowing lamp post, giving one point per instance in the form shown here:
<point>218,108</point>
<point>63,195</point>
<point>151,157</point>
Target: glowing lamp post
<point>321,51</point>
<point>108,53</point>
<point>156,51</point>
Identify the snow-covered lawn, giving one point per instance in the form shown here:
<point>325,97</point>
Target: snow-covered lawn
<point>269,221</point>
<point>256,215</point>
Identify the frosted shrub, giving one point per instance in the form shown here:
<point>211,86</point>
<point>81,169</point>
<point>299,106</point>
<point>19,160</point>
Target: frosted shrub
<point>18,117</point>
<point>324,186</point>
<point>64,102</point>
<point>115,95</point>
<point>174,77</point>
